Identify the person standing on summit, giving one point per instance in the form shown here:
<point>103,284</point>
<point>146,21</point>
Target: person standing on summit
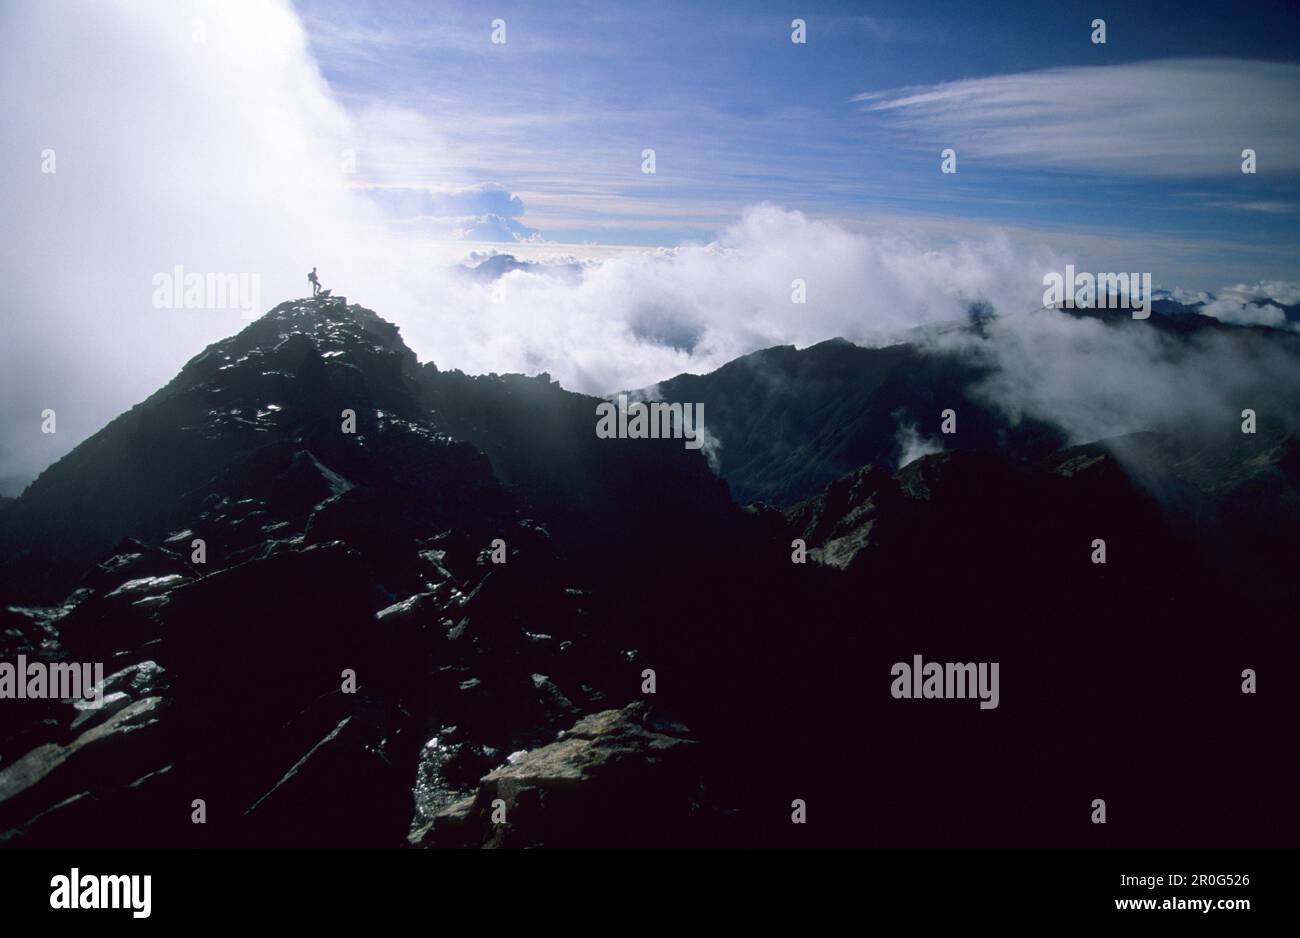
<point>315,284</point>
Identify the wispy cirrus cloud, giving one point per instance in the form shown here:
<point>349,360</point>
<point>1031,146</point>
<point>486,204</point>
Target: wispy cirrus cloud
<point>1175,118</point>
<point>1266,206</point>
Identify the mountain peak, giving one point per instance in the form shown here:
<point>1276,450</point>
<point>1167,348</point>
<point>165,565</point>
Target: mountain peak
<point>250,409</point>
<point>331,323</point>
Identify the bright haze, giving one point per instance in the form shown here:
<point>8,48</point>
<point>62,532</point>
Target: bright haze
<point>390,144</point>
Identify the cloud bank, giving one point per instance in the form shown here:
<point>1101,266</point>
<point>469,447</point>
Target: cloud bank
<point>483,212</point>
<point>1254,305</point>
<point>1096,381</point>
<point>198,134</point>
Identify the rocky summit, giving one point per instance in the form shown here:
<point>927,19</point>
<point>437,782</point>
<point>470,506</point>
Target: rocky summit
<point>343,598</point>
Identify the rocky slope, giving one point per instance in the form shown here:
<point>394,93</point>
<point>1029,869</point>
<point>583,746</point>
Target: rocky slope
<point>324,551</point>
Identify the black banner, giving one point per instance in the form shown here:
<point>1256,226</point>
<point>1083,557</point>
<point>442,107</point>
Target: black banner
<point>204,887</point>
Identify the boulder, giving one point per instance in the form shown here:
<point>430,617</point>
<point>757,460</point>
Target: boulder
<point>617,778</point>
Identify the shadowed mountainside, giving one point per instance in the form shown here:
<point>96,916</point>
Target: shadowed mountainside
<point>389,630</point>
<point>790,421</point>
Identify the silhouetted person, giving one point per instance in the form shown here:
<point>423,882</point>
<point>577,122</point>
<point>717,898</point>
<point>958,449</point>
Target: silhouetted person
<point>315,284</point>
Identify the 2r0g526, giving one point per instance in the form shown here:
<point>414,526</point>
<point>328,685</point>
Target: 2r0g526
<point>1219,879</point>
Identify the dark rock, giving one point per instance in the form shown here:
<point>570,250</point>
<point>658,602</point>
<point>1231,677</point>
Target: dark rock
<point>116,750</point>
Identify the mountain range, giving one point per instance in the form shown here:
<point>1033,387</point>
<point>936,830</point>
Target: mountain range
<point>466,605</point>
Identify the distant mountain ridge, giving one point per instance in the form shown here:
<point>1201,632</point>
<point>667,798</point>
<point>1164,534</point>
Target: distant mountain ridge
<point>791,421</point>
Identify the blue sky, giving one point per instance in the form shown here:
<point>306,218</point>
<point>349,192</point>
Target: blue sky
<point>1136,141</point>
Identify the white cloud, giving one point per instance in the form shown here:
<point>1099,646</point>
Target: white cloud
<point>1167,118</point>
<point>1253,305</point>
<point>481,199</point>
<point>639,317</point>
<point>1276,207</point>
<point>1097,381</point>
<point>223,155</point>
<point>1245,313</point>
<point>913,445</point>
<point>483,212</point>
<point>1183,295</point>
<point>1284,291</point>
<point>490,228</point>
